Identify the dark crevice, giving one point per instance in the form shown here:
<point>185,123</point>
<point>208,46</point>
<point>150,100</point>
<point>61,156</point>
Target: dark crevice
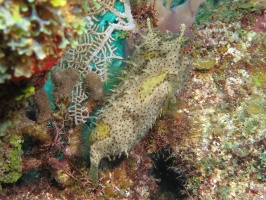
<point>169,181</point>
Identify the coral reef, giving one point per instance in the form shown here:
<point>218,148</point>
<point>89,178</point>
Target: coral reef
<point>11,98</point>
<point>45,124</point>
<point>34,35</point>
<point>209,143</point>
<point>222,149</point>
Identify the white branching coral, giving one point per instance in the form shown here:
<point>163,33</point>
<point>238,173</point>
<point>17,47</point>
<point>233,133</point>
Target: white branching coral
<point>94,50</point>
<point>80,113</point>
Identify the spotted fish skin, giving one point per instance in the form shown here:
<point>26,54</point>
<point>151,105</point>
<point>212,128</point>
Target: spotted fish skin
<point>160,71</point>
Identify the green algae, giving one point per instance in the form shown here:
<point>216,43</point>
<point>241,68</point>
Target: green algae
<point>10,161</point>
<point>256,105</point>
<point>204,64</point>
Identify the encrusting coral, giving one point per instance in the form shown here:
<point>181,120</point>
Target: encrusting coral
<point>34,35</point>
